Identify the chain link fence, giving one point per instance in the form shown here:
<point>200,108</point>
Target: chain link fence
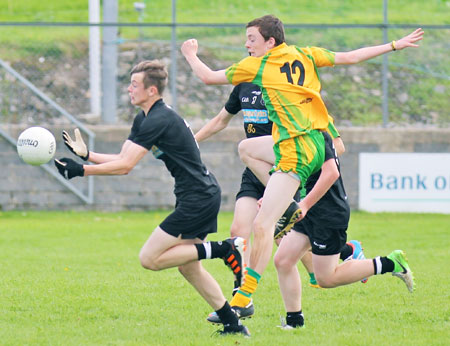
<point>55,58</point>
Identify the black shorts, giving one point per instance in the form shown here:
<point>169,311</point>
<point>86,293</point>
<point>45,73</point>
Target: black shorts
<point>193,217</point>
<point>252,187</point>
<point>325,240</point>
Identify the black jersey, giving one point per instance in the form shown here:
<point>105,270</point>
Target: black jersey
<point>333,208</point>
<point>170,139</point>
<point>248,98</point>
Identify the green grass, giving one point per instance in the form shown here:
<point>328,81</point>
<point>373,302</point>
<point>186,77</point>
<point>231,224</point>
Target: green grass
<point>74,279</point>
<point>213,11</point>
<point>235,11</point>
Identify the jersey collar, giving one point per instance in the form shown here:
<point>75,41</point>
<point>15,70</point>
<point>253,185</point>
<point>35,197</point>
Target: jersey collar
<point>279,47</point>
<point>157,102</point>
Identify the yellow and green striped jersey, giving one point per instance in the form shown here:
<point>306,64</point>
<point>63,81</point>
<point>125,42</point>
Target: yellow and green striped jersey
<point>331,129</point>
<point>290,82</point>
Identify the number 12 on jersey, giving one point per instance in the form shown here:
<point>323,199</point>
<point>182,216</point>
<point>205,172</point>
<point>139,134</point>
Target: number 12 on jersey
<point>291,69</point>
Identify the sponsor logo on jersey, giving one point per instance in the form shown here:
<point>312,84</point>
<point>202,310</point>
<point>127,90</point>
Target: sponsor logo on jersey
<point>307,100</point>
<point>156,151</point>
<point>258,116</point>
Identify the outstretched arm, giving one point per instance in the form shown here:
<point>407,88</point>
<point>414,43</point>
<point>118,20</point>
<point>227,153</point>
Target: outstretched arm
<point>363,54</point>
<point>112,164</point>
<point>103,158</point>
<point>189,49</point>
<point>77,146</point>
<point>216,124</point>
<point>122,163</point>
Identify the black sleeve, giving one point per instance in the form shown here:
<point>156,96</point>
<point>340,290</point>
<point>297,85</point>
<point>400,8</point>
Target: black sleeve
<point>135,128</point>
<point>233,105</point>
<point>329,147</point>
<point>151,131</point>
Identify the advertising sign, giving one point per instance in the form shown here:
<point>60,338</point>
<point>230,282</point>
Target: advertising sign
<point>404,182</point>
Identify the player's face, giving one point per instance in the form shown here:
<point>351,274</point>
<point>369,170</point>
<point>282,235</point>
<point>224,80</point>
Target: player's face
<point>255,44</point>
<point>139,95</point>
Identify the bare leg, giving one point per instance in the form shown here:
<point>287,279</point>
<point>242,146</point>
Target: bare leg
<point>293,247</point>
<point>162,251</point>
<point>245,211</point>
<point>330,274</point>
<point>257,154</point>
<point>278,195</point>
<point>204,283</point>
<point>307,261</point>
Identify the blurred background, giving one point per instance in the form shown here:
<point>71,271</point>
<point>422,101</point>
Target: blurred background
<point>79,53</point>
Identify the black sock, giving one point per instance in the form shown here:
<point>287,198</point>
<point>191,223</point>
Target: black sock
<point>226,315</point>
<point>236,287</point>
<point>219,249</point>
<point>212,249</point>
<point>383,265</point>
<point>295,319</point>
<point>201,251</point>
<point>346,251</point>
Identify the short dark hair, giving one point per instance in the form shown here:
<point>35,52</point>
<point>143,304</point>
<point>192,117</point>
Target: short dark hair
<point>269,26</point>
<point>155,73</point>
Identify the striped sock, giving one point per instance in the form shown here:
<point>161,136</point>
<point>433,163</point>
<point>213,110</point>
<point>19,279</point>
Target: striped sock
<point>382,265</point>
<point>243,297</point>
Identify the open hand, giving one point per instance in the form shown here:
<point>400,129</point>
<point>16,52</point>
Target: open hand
<point>410,40</point>
<point>77,146</point>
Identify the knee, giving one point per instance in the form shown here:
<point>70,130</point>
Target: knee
<point>243,151</point>
<point>148,262</point>
<point>240,229</point>
<point>324,282</point>
<point>262,229</point>
<point>258,227</point>
<point>235,230</point>
<point>283,263</point>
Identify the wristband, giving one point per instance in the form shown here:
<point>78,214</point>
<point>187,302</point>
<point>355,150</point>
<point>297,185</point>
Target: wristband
<point>393,46</point>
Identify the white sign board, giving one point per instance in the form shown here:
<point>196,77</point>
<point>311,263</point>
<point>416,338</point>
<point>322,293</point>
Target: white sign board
<point>404,182</point>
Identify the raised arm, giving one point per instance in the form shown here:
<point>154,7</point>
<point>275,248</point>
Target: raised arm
<point>189,49</point>
<point>216,124</point>
<point>366,53</point>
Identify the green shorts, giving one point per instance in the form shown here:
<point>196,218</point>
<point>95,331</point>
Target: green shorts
<point>302,155</point>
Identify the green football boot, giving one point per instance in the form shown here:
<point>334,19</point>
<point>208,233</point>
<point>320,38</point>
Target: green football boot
<point>401,268</point>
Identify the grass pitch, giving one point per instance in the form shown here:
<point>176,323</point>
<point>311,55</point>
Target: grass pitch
<point>74,279</point>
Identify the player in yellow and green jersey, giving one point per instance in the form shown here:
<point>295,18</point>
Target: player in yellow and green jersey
<point>288,77</point>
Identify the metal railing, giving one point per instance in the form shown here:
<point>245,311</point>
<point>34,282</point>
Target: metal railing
<point>426,67</point>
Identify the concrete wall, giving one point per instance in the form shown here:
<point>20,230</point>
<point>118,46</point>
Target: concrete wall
<point>149,186</point>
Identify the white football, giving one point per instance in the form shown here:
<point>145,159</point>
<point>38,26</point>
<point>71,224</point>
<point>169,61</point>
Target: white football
<point>36,146</point>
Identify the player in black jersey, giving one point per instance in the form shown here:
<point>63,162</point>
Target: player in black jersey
<point>323,226</point>
<point>247,97</point>
<point>179,240</point>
